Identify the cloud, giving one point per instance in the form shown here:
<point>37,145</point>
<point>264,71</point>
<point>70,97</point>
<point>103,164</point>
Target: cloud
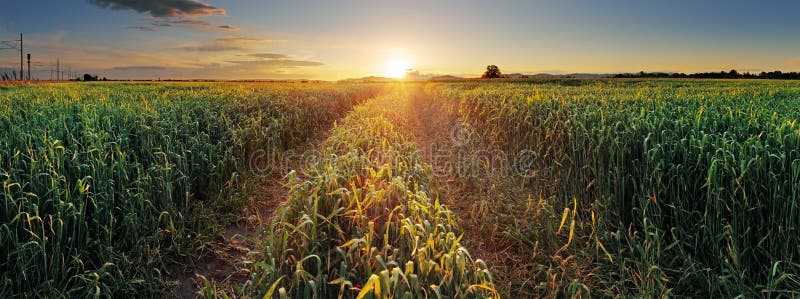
<point>138,68</point>
<point>57,37</point>
<point>269,55</point>
<point>162,8</point>
<point>276,63</point>
<point>142,28</point>
<point>169,13</point>
<point>181,22</point>
<point>257,69</point>
<point>92,57</point>
<point>227,44</point>
<point>176,63</point>
<point>238,39</point>
<point>228,27</point>
<point>215,47</point>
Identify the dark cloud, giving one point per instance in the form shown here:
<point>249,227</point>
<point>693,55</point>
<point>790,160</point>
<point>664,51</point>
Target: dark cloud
<point>228,27</point>
<point>270,56</point>
<point>181,22</point>
<point>142,28</point>
<point>174,22</point>
<point>138,68</point>
<point>162,8</point>
<point>227,44</point>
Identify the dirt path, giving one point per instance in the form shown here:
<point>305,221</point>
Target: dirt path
<point>427,123</point>
<point>222,265</point>
<point>449,147</point>
<point>437,134</point>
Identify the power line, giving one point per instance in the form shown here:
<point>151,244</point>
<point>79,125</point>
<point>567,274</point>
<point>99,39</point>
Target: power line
<point>12,45</point>
<point>59,75</point>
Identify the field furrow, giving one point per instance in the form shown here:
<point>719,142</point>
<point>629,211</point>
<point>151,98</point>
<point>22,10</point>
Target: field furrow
<point>465,189</point>
<point>107,185</point>
<point>362,221</point>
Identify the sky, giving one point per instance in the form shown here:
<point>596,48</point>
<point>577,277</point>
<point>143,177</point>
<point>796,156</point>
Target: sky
<point>332,40</point>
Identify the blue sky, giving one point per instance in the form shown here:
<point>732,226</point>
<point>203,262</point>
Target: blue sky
<point>341,39</point>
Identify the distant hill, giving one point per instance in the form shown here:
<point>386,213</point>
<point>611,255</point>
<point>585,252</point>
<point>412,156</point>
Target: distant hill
<point>409,77</point>
<point>589,76</point>
<point>555,76</point>
<point>573,75</point>
<point>514,75</point>
<point>369,79</point>
<point>415,76</point>
<point>444,78</point>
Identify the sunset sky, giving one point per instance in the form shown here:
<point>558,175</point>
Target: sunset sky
<point>330,40</point>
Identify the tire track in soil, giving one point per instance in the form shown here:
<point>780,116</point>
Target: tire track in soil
<point>223,265</point>
<point>433,129</point>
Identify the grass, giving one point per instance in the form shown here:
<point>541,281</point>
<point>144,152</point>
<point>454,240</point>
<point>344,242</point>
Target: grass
<point>676,188</point>
<point>104,185</point>
<point>556,188</point>
<point>361,222</point>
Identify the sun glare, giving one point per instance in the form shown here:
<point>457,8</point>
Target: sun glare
<point>396,68</point>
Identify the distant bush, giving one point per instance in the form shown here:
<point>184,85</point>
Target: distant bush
<point>87,77</point>
<point>492,71</point>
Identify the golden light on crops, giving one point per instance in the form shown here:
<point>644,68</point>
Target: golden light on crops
<point>397,68</point>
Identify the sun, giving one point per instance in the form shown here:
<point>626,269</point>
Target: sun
<point>397,68</point>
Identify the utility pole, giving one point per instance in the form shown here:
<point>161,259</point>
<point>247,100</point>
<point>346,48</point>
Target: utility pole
<point>21,74</point>
<point>58,70</point>
<point>29,66</point>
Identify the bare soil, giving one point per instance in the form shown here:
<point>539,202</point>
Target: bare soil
<point>223,265</point>
<point>434,130</point>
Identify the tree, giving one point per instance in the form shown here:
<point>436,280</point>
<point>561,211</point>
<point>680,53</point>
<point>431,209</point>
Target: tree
<point>492,71</point>
<point>87,77</point>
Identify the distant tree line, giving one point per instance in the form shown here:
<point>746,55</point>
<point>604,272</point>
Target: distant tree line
<point>732,74</point>
<point>88,77</point>
<point>85,77</point>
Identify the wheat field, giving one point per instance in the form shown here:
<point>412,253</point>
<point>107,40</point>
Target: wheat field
<point>465,189</point>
